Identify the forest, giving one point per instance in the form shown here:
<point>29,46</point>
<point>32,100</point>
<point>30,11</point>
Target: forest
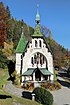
<point>10,33</point>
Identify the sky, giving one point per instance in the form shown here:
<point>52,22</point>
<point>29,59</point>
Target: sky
<point>54,14</point>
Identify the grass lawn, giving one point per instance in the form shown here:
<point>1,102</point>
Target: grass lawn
<point>8,99</point>
<point>3,77</point>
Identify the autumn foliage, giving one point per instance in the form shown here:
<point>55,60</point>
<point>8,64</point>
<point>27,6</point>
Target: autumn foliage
<point>3,24</point>
<point>10,31</point>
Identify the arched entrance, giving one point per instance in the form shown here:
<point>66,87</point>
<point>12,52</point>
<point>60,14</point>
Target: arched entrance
<point>37,75</point>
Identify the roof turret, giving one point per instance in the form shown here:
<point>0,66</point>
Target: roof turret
<point>37,32</point>
<point>22,44</point>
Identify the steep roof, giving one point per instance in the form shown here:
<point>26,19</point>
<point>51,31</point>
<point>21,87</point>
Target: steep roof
<point>37,32</point>
<point>21,45</point>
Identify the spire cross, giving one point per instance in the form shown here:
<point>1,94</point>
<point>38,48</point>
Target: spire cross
<point>37,8</point>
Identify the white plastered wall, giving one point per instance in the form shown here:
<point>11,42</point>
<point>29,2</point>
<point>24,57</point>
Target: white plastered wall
<point>18,62</point>
<point>32,50</point>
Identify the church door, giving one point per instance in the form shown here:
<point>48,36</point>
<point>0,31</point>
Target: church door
<point>37,75</point>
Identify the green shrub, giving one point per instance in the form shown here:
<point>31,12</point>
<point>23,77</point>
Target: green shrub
<point>43,96</point>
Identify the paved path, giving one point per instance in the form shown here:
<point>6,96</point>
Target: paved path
<point>13,90</point>
<point>61,97</point>
<point>10,88</point>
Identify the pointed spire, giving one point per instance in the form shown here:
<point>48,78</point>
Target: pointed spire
<point>37,32</point>
<point>37,15</point>
<point>37,8</point>
<point>22,30</point>
<point>22,43</point>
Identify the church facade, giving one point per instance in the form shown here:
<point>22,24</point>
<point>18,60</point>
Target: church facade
<point>34,59</point>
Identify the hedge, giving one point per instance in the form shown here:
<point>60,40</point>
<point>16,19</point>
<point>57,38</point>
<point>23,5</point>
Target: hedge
<point>43,96</point>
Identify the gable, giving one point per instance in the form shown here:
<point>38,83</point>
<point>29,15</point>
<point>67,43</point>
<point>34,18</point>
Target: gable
<point>37,32</point>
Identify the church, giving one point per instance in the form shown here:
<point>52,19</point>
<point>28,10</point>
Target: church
<point>34,60</point>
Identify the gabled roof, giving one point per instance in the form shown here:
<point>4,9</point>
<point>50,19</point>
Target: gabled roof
<point>30,71</point>
<point>21,45</point>
<point>44,71</point>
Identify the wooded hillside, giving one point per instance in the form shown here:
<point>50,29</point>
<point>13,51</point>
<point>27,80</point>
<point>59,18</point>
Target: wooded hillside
<point>10,32</point>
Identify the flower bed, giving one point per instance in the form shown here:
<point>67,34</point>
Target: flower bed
<point>47,85</point>
<point>28,86</point>
<point>51,86</point>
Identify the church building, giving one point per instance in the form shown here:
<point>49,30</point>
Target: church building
<point>34,61</point>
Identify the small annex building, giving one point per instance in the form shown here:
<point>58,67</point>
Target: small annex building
<point>34,59</point>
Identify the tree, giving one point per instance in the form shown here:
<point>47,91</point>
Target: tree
<point>43,96</point>
<point>8,12</point>
<point>3,60</point>
<point>3,24</point>
<point>16,77</point>
<point>45,31</point>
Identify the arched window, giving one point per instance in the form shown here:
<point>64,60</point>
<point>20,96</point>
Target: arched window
<point>38,58</point>
<point>32,60</point>
<point>35,43</point>
<point>40,44</point>
<point>35,59</point>
<point>43,59</point>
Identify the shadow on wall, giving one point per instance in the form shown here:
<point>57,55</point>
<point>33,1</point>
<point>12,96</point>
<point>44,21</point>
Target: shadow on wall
<point>11,69</point>
<point>4,96</point>
<point>26,94</point>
